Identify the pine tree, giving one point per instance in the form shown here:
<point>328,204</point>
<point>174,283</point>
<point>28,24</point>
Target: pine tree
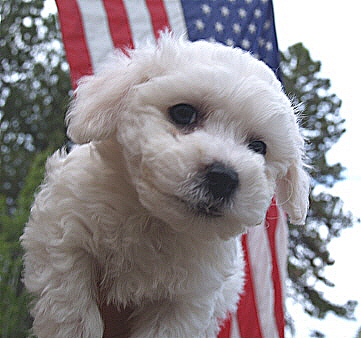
<point>35,85</point>
<point>323,126</point>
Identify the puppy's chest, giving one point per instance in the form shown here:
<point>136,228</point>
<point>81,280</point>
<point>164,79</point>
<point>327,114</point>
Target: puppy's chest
<point>153,269</point>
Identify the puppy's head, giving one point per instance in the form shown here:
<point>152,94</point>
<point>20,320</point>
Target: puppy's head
<point>207,132</point>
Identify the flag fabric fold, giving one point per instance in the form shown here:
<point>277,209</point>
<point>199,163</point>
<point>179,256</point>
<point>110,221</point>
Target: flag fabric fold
<point>91,29</point>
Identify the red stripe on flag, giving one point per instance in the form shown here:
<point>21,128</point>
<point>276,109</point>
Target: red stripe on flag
<point>158,15</point>
<point>118,23</point>
<point>226,328</point>
<point>74,39</point>
<point>272,219</point>
<point>249,325</point>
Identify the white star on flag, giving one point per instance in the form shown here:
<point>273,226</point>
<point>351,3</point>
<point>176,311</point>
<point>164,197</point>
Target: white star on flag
<point>199,24</point>
<point>269,46</point>
<point>225,11</point>
<point>236,28</point>
<point>257,13</point>
<point>246,44</point>
<point>206,9</point>
<point>252,28</point>
<point>242,13</point>
<point>218,27</point>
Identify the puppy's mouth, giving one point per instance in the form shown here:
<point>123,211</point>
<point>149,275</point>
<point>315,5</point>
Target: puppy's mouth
<point>204,208</point>
<point>211,190</point>
<point>210,209</point>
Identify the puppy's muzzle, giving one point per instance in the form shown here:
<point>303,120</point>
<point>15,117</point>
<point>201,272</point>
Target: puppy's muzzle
<point>210,190</point>
<point>221,181</point>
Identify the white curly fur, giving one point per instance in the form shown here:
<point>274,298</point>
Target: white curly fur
<point>114,214</point>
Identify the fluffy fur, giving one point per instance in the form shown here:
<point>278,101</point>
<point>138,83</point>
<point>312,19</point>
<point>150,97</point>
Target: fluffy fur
<point>120,215</point>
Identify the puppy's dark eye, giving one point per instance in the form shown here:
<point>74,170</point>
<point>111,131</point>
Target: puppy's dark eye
<point>258,147</point>
<point>183,114</point>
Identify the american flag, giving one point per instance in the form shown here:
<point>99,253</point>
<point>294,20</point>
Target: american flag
<point>91,29</point>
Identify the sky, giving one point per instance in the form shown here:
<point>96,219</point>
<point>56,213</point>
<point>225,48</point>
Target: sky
<point>330,30</point>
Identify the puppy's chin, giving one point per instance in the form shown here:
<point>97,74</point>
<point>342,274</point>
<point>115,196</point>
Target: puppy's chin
<point>224,221</point>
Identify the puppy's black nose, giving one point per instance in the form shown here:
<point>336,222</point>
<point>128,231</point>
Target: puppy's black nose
<point>221,181</point>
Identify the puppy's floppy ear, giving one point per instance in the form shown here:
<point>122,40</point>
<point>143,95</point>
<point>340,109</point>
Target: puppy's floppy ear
<point>95,107</point>
<point>293,193</point>
<point>92,112</point>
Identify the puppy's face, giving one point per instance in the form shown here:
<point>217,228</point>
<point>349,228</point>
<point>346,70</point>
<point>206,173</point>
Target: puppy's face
<point>207,132</point>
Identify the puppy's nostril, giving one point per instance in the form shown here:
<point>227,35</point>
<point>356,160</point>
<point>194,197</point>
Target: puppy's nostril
<point>221,181</point>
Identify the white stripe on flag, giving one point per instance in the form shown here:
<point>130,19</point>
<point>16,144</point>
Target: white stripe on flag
<point>176,17</point>
<point>282,248</point>
<point>261,266</point>
<point>140,21</point>
<point>234,327</point>
<point>95,23</point>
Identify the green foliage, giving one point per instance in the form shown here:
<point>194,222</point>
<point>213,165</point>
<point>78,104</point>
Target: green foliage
<point>14,318</point>
<point>34,88</point>
<point>35,85</point>
<point>323,127</point>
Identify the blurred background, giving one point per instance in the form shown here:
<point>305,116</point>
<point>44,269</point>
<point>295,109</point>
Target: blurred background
<point>318,42</point>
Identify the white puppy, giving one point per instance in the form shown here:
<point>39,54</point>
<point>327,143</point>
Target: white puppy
<point>184,146</point>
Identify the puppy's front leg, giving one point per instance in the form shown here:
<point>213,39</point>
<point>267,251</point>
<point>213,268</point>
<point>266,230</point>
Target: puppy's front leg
<point>66,289</point>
